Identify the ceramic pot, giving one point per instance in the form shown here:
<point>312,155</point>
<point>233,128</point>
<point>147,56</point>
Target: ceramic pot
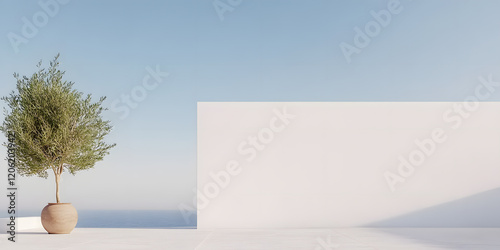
<point>59,218</point>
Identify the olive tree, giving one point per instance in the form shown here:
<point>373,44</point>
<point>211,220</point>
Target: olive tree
<point>56,127</point>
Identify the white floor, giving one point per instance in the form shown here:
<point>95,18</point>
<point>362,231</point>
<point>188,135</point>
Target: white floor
<point>313,239</point>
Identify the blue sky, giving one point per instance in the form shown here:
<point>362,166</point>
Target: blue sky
<point>262,51</point>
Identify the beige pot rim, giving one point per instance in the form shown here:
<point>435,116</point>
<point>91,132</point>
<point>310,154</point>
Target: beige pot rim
<point>59,203</point>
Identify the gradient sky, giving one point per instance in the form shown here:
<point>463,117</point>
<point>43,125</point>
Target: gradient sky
<point>262,51</point>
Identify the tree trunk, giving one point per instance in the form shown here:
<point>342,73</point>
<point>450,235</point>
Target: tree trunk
<point>58,178</point>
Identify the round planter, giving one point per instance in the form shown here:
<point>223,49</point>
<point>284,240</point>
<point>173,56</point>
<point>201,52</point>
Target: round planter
<point>59,218</point>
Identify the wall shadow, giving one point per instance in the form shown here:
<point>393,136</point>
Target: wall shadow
<point>479,210</point>
<point>469,223</point>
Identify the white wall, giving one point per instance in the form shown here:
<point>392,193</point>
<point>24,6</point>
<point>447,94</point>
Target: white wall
<point>328,165</point>
<point>21,224</point>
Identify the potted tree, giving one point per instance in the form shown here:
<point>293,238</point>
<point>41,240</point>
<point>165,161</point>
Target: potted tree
<point>57,129</point>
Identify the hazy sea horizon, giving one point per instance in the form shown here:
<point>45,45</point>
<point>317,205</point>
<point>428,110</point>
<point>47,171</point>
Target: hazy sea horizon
<point>125,218</point>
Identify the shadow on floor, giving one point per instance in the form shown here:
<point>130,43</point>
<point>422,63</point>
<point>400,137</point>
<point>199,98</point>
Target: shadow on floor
<point>21,232</point>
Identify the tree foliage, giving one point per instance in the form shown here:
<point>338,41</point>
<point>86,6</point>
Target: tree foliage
<point>56,127</point>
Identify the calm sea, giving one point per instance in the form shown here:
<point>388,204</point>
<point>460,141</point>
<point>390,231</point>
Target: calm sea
<point>128,218</point>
